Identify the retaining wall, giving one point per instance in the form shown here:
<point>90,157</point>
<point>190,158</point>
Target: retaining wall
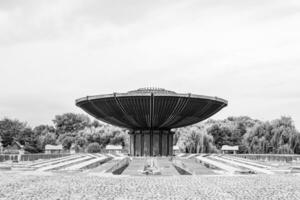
<point>29,157</point>
<point>270,157</point>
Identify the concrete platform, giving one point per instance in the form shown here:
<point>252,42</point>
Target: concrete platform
<point>166,167</point>
<point>195,167</point>
<point>244,165</point>
<point>105,166</point>
<point>135,166</point>
<point>66,163</point>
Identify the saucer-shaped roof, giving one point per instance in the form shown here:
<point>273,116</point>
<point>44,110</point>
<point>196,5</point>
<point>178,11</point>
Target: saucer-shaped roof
<point>151,108</point>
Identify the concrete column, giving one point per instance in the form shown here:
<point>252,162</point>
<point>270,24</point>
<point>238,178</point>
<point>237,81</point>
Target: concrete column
<point>132,144</point>
<point>160,142</point>
<point>138,144</point>
<point>151,143</point>
<point>142,143</point>
<point>146,143</point>
<point>170,143</point>
<point>165,143</point>
<point>156,142</point>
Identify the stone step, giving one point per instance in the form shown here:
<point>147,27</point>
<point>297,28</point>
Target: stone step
<point>135,167</point>
<point>85,164</point>
<point>166,167</point>
<point>295,169</point>
<point>66,163</point>
<point>105,166</point>
<point>246,161</point>
<point>53,162</point>
<point>195,167</point>
<point>256,169</point>
<point>39,162</point>
<point>220,165</point>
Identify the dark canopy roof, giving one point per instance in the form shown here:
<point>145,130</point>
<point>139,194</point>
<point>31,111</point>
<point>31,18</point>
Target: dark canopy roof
<point>154,108</point>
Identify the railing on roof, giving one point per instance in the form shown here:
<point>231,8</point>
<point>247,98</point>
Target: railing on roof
<point>152,90</point>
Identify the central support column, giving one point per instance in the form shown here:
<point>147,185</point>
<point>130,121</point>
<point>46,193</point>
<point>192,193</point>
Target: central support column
<point>151,143</point>
<point>147,143</point>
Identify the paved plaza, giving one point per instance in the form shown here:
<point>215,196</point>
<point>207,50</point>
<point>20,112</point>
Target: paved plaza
<point>51,185</point>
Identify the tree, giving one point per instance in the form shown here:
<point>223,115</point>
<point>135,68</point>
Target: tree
<point>94,147</point>
<point>80,141</point>
<point>70,123</point>
<point>279,136</point>
<point>96,124</point>
<point>25,136</point>
<point>284,133</point>
<point>105,134</point>
<point>237,134</point>
<point>221,135</point>
<point>67,142</point>
<point>47,138</point>
<point>194,139</point>
<point>10,129</point>
<point>43,130</point>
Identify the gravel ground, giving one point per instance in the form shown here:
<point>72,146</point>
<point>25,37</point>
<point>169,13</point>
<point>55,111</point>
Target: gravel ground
<point>42,186</point>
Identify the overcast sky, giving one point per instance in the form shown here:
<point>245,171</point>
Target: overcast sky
<point>52,52</point>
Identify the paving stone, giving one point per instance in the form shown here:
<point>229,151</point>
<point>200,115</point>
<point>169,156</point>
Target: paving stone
<point>20,185</point>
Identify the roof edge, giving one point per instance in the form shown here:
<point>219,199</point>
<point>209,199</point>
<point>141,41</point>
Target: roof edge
<point>94,97</point>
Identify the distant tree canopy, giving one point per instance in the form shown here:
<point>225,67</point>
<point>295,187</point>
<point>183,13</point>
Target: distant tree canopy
<point>68,129</point>
<point>10,129</point>
<point>278,136</point>
<point>194,139</point>
<point>252,136</point>
<point>70,122</point>
<point>14,130</point>
<point>93,147</point>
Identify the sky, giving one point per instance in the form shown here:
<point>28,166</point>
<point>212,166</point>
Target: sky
<point>53,52</point>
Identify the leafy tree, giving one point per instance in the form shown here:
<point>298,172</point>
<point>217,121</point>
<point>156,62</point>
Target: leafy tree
<point>279,136</point>
<point>47,138</point>
<point>25,136</point>
<point>80,141</point>
<point>96,124</point>
<point>10,129</point>
<point>195,140</point>
<point>94,147</point>
<point>67,142</point>
<point>43,130</point>
<point>252,136</point>
<point>221,135</point>
<point>70,123</point>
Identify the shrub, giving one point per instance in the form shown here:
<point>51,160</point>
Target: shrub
<point>93,148</point>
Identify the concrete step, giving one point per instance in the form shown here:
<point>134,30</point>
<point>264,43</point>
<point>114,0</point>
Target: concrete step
<point>39,162</point>
<point>86,164</point>
<point>105,166</point>
<point>114,156</point>
<point>65,163</point>
<point>229,169</point>
<point>166,167</point>
<point>53,162</point>
<point>135,167</point>
<point>240,164</point>
<point>195,167</point>
<point>246,161</point>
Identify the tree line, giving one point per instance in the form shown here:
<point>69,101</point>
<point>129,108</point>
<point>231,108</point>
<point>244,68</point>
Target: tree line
<point>68,129</point>
<point>278,136</point>
<point>251,135</point>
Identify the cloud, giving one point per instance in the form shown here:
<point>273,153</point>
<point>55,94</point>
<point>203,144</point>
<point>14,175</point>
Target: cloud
<point>56,51</point>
